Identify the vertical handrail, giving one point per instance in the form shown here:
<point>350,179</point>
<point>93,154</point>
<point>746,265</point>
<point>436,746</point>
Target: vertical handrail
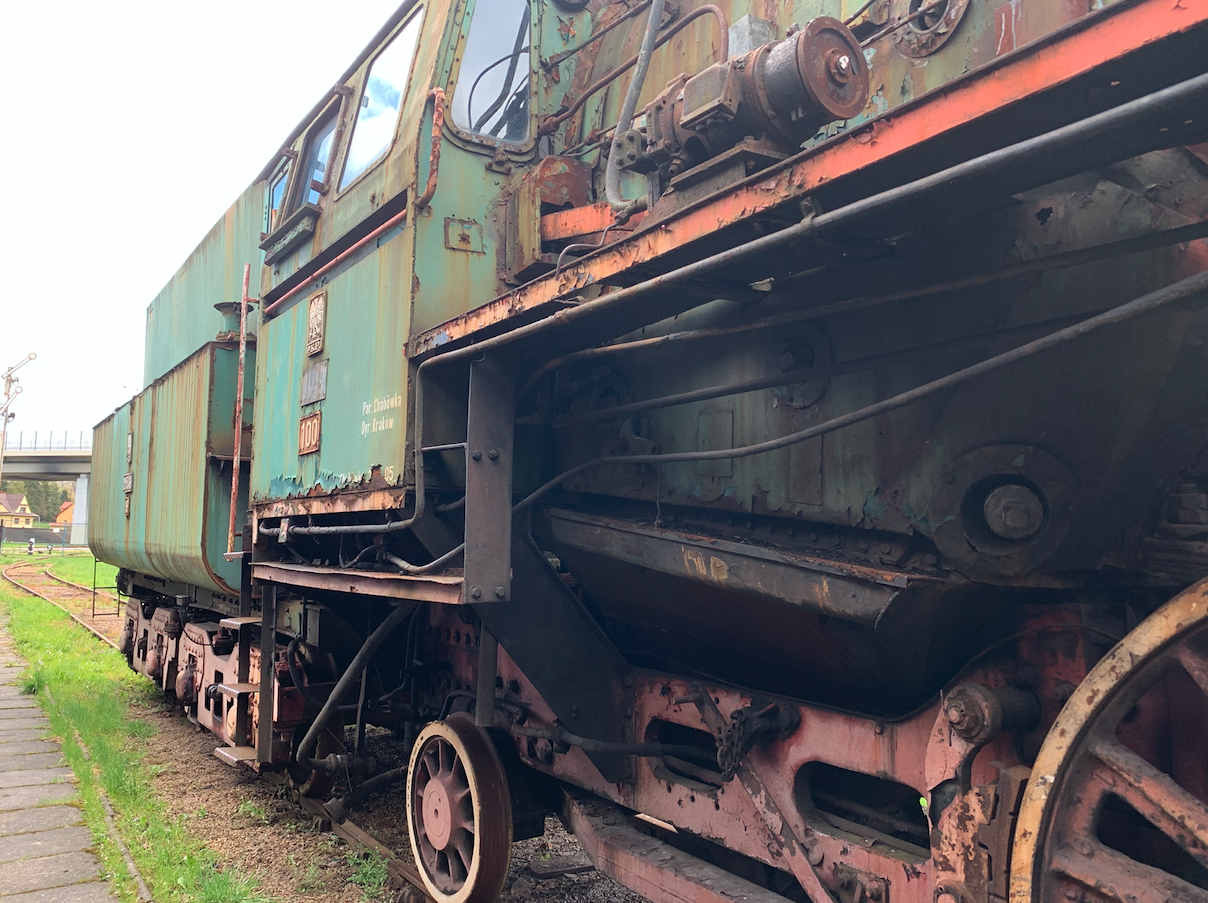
<point>230,552</point>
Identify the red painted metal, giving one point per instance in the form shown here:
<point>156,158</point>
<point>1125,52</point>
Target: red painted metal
<point>247,275</point>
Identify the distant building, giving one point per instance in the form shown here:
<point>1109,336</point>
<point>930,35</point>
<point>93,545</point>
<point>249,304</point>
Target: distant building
<point>66,513</point>
<point>15,511</point>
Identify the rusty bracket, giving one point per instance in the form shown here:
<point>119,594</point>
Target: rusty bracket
<point>855,886</point>
<point>489,437</point>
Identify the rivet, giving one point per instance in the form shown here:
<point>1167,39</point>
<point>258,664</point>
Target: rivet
<point>476,455</point>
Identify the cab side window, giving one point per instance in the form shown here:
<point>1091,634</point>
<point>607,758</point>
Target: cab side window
<point>276,200</point>
<point>493,87</point>
<point>381,101</point>
<point>314,169</point>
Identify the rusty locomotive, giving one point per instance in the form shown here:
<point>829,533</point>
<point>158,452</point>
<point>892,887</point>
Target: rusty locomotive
<point>769,434</point>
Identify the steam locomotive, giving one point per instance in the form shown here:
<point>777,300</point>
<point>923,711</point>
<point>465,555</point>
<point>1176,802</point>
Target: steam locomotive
<point>770,435</point>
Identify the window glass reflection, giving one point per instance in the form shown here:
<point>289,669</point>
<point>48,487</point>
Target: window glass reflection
<point>381,101</point>
<point>317,157</point>
<point>276,200</point>
<point>492,95</point>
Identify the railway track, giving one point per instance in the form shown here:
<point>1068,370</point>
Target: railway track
<point>76,600</point>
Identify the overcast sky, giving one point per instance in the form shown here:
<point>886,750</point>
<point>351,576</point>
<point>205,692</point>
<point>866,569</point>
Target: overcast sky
<point>130,127</point>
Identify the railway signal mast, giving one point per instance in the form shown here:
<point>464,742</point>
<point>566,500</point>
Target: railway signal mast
<point>12,388</point>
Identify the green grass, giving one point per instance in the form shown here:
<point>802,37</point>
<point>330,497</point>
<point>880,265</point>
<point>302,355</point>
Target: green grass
<point>78,569</point>
<point>88,692</point>
<point>370,874</point>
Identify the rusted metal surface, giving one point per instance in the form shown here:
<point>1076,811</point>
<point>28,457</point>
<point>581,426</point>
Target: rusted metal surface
<point>584,222</point>
<point>441,588</point>
<point>235,459</point>
<point>1074,840</point>
<point>653,868</point>
<point>552,123</point>
<point>1061,59</point>
<point>438,129</point>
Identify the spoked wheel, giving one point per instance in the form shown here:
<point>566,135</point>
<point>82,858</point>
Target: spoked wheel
<point>1116,808</point>
<point>459,813</point>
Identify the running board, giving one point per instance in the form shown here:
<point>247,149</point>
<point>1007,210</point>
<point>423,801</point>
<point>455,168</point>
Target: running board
<point>650,867</point>
<point>236,755</point>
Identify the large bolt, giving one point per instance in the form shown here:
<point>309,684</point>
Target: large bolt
<point>475,592</point>
<point>1013,512</point>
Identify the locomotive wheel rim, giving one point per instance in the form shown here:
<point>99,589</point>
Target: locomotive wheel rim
<point>1058,856</point>
<point>459,813</point>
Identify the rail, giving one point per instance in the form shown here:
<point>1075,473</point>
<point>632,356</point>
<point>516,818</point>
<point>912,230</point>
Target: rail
<point>346,829</point>
<point>51,441</point>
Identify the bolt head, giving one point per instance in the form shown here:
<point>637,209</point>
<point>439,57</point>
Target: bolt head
<point>475,592</point>
<point>476,454</point>
<point>1013,511</point>
<point>500,592</point>
<point>493,454</point>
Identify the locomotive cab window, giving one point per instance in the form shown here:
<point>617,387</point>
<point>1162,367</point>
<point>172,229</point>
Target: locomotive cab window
<point>381,101</point>
<point>276,199</point>
<point>493,87</point>
<point>316,161</point>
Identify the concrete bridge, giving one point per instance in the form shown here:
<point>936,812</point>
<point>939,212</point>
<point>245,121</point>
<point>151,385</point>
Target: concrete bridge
<point>28,461</point>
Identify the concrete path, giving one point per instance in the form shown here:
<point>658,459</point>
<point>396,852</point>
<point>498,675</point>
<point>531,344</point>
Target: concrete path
<point>45,848</point>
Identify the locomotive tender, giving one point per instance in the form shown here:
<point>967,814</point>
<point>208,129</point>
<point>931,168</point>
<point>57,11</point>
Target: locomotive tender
<point>769,434</point>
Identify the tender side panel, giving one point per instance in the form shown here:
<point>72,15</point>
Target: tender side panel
<point>182,317</point>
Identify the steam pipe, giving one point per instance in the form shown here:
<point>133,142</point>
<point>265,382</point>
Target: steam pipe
<point>1179,291</point>
<point>612,173</point>
<point>352,673</point>
<point>966,172</point>
<point>550,124</point>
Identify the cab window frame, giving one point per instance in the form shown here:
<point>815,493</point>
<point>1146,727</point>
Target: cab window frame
<point>416,14</point>
<point>486,142</point>
<point>300,184</point>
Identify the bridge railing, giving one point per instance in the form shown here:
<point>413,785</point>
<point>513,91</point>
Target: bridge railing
<point>49,441</point>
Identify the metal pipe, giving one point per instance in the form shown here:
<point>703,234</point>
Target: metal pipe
<point>1145,304</point>
<point>1147,242</point>
<point>552,61</point>
<point>230,552</point>
<point>550,124</point>
<point>438,131</point>
<point>967,172</point>
<point>276,305</point>
<point>353,672</point>
<point>612,172</point>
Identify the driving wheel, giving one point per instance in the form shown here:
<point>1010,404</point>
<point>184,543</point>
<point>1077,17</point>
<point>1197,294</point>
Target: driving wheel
<point>459,813</point>
<point>1116,807</point>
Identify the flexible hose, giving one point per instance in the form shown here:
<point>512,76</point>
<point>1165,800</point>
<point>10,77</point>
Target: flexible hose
<point>299,679</point>
<point>612,175</point>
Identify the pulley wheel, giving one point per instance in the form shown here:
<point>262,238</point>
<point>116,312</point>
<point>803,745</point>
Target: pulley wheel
<point>832,66</point>
<point>459,813</point>
<point>1116,807</point>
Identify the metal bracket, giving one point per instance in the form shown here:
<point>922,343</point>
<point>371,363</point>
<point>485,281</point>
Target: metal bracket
<point>855,886</point>
<point>489,434</point>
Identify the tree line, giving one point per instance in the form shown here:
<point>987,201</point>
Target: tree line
<point>44,498</point>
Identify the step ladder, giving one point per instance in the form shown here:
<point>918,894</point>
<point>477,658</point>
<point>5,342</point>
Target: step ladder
<point>246,749</point>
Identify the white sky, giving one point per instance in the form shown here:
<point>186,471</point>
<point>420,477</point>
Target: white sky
<point>129,127</point>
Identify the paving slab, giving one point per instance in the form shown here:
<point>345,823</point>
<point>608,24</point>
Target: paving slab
<point>29,733</point>
<point>25,747</point>
<point>47,818</point>
<point>47,871</point>
<point>70,839</point>
<point>23,720</point>
<point>37,795</point>
<point>19,702</point>
<point>35,760</point>
<point>29,776</point>
<point>21,712</point>
<point>92,892</point>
